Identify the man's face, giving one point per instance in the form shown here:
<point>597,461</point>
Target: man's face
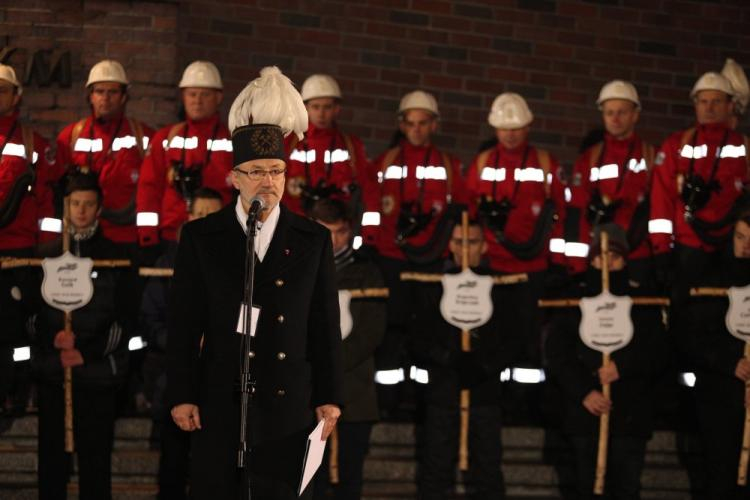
<point>616,261</point>
<point>201,103</point>
<point>268,187</point>
<point>8,98</point>
<point>620,117</point>
<point>203,206</point>
<point>84,209</point>
<point>512,138</point>
<point>741,240</point>
<point>341,234</point>
<point>477,245</point>
<point>323,111</point>
<point>107,99</point>
<point>712,106</point>
<point>418,126</point>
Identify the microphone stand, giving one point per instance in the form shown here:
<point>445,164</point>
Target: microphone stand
<point>247,379</point>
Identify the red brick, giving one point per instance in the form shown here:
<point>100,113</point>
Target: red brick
<point>401,77</point>
<point>488,57</point>
<point>570,96</point>
<point>505,74</point>
<point>320,37</point>
<point>553,50</point>
<point>577,9</point>
<point>442,82</point>
<point>432,6</point>
<point>463,69</point>
<point>469,40</point>
<point>550,79</point>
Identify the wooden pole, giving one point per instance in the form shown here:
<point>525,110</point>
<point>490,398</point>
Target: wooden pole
<point>745,453</point>
<point>506,279</point>
<point>465,402</point>
<point>637,301</point>
<point>333,460</point>
<point>68,371</point>
<point>601,456</point>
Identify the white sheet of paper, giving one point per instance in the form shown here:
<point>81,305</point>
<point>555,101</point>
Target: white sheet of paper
<point>253,320</point>
<point>313,456</point>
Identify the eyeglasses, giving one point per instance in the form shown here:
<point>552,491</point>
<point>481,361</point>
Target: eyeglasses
<point>258,174</point>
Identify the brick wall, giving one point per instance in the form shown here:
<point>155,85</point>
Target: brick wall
<point>140,34</point>
<point>555,53</point>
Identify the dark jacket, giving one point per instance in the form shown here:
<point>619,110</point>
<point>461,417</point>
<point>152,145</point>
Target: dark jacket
<point>573,367</point>
<point>102,327</point>
<point>368,317</point>
<point>297,362</point>
<point>436,347</point>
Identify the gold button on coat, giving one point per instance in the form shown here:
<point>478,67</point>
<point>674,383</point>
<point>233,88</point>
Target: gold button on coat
<point>279,282</point>
<point>280,319</point>
<point>281,392</point>
<point>281,356</point>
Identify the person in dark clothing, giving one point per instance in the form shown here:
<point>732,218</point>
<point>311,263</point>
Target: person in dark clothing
<point>365,332</point>
<point>721,369</point>
<point>97,350</point>
<point>577,372</point>
<point>437,347</point>
<point>175,443</point>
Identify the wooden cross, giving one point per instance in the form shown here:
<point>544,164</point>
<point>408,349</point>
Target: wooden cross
<point>745,450</point>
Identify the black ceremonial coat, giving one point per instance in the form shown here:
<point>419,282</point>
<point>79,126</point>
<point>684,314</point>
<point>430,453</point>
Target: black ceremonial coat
<point>297,363</point>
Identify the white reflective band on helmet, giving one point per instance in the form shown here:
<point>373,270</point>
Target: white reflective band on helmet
<point>145,142</point>
<point>396,172</point>
<point>609,171</point>
<point>687,379</point>
<point>529,174</point>
<point>389,377</point>
<point>219,145</point>
<point>182,143</point>
<point>124,142</point>
<point>431,173</point>
<point>50,225</point>
<point>557,245</point>
<point>637,166</point>
<point>147,219</point>
<point>19,150</point>
<point>336,155</point>
<point>88,145</point>
<point>573,249</point>
<point>21,354</point>
<point>730,151</point>
<point>371,219</point>
<point>523,375</point>
<point>660,226</point>
<point>303,156</point>
<point>493,174</point>
<point>419,375</point>
<point>357,242</point>
<point>696,152</point>
<point>136,343</point>
<point>568,194</point>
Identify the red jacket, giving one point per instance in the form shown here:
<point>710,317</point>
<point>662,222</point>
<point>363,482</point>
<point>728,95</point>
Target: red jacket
<point>619,170</point>
<point>398,176</point>
<point>35,205</point>
<point>498,174</point>
<point>326,155</point>
<point>111,150</point>
<point>672,166</point>
<point>161,207</point>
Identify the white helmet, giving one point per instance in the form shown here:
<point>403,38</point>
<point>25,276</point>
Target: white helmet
<point>320,86</point>
<point>8,74</point>
<point>418,100</point>
<point>712,81</point>
<point>509,111</point>
<point>618,89</point>
<point>736,76</point>
<point>201,74</point>
<point>107,70</point>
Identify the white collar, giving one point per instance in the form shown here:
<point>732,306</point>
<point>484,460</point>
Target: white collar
<point>265,229</point>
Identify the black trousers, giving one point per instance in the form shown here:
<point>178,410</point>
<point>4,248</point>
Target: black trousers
<point>174,461</point>
<point>437,467</point>
<point>624,466</point>
<point>354,442</point>
<point>93,431</point>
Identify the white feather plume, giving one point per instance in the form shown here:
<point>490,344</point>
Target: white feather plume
<point>272,99</point>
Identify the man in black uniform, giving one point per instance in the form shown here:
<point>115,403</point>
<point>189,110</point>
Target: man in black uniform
<point>577,371</point>
<point>721,368</point>
<point>97,349</point>
<point>437,347</point>
<point>361,335</point>
<point>296,361</point>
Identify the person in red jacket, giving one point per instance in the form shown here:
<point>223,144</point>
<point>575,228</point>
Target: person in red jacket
<point>610,183</point>
<point>109,144</point>
<point>699,175</point>
<point>327,162</point>
<point>184,157</point>
<point>413,189</point>
<point>25,207</point>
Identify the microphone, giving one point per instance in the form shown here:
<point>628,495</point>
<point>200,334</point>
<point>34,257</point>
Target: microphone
<point>256,206</point>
